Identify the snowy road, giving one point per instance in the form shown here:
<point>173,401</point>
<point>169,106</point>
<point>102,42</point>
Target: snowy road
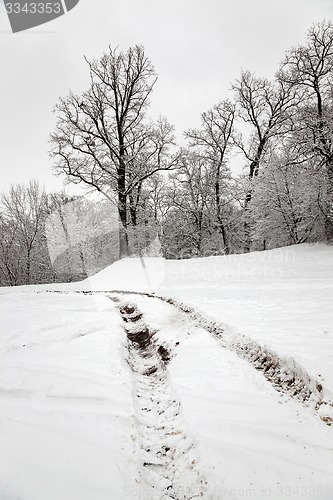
<point>86,413</point>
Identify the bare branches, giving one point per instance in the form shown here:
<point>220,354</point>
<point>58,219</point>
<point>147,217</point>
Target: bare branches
<point>214,140</point>
<point>311,64</point>
<point>268,107</point>
<point>94,130</point>
<point>310,68</point>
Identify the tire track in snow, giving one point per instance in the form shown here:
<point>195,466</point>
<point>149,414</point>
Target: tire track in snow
<point>168,456</point>
<point>284,373</point>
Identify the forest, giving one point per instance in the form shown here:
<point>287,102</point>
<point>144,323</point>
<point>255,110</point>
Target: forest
<point>149,196</point>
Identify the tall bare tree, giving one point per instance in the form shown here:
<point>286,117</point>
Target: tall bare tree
<point>102,138</point>
<point>213,142</point>
<point>268,108</point>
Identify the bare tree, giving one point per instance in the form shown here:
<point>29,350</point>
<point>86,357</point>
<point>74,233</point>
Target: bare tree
<point>193,197</point>
<point>102,138</point>
<point>213,142</point>
<point>268,108</point>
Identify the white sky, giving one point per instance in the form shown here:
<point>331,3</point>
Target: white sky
<point>197,46</point>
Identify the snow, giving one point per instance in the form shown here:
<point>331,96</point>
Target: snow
<point>252,441</point>
<point>72,426</point>
<point>64,402</point>
<point>281,298</point>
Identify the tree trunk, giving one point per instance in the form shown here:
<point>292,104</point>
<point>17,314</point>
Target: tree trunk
<point>28,266</point>
<point>219,212</point>
<point>223,233</point>
<point>122,204</point>
<point>329,215</point>
<point>247,225</point>
<point>133,213</point>
<point>83,264</point>
<point>253,173</point>
<point>225,239</point>
<point>123,238</point>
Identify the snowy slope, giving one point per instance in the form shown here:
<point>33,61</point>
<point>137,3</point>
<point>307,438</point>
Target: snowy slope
<point>282,297</point>
<point>73,428</point>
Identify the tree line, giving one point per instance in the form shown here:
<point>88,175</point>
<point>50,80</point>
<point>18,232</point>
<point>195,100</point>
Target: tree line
<point>53,237</point>
<point>184,201</point>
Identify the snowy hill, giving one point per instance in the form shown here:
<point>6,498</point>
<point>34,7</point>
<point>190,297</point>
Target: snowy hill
<point>82,411</point>
<point>281,297</point>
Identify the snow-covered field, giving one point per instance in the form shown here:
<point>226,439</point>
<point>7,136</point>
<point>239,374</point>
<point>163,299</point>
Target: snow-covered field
<point>85,416</point>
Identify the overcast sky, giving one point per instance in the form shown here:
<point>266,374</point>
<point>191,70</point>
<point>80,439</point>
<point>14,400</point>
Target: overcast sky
<point>197,47</point>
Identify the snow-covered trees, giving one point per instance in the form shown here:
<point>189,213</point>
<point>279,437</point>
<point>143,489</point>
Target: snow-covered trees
<point>54,237</point>
<point>187,225</point>
<point>160,199</point>
<point>23,252</point>
<point>283,128</point>
<point>267,109</point>
<point>10,256</point>
<point>288,203</point>
<point>286,140</point>
<point>309,68</point>
<point>292,201</point>
<point>82,235</point>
